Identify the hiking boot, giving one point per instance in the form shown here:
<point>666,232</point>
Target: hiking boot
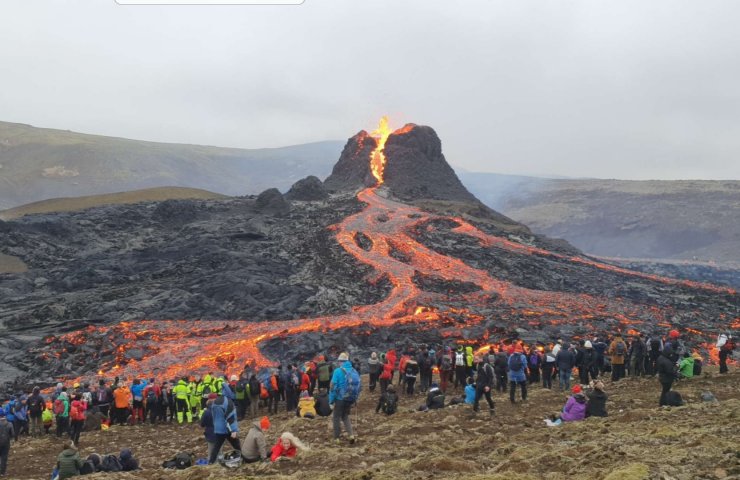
<point>492,412</point>
<point>337,441</point>
<point>352,440</point>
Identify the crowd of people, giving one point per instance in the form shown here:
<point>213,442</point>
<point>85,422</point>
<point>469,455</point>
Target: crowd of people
<point>323,388</point>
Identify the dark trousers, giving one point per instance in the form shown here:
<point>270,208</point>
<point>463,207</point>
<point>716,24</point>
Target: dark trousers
<point>547,377</point>
<point>460,376</point>
<point>653,360</point>
<point>241,407</point>
<point>104,408</point>
<point>75,430</point>
<point>666,388</point>
<point>4,450</point>
<point>512,390</point>
<point>324,384</point>
<point>501,381</point>
<point>534,375</point>
<point>637,363</point>
<point>373,380</point>
<point>723,354</point>
<point>384,385</point>
<point>62,425</point>
<point>617,372</point>
<point>410,381</point>
<point>341,416</point>
<point>272,402</point>
<point>425,379</point>
<point>220,439</point>
<point>480,392</point>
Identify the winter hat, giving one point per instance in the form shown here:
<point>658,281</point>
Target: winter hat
<point>212,396</point>
<point>304,394</point>
<point>674,334</point>
<point>576,389</point>
<point>60,385</point>
<point>265,423</point>
<point>2,413</point>
<point>344,356</point>
<point>374,356</point>
<point>233,378</point>
<point>435,385</point>
<point>588,344</point>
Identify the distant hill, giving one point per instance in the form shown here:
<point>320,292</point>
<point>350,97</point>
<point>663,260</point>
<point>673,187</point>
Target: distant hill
<point>682,219</point>
<point>72,204</point>
<point>40,163</point>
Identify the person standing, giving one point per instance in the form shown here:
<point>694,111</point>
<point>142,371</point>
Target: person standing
<point>725,352</point>
<point>637,356</point>
<point>617,352</point>
<point>565,360</point>
<point>181,393</point>
<point>548,366</point>
<point>666,369</point>
<point>517,373</point>
<point>122,403</point>
<point>35,410</point>
<point>588,364</point>
<point>460,367</point>
<point>484,385</point>
<point>6,434</point>
<point>411,370</point>
<point>386,376</point>
<point>338,396</point>
<point>61,411</point>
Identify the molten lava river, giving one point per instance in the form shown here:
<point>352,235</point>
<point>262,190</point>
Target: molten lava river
<point>173,348</point>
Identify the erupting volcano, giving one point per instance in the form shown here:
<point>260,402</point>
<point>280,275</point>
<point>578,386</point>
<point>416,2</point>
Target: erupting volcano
<point>471,275</point>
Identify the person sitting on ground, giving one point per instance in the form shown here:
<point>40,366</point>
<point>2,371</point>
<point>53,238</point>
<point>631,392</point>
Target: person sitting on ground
<point>254,447</point>
<point>596,406</point>
<point>287,447</point>
<point>686,367</point>
<point>470,391</point>
<point>321,403</point>
<point>435,398</point>
<point>69,462</point>
<point>306,406</point>
<point>575,408</point>
<point>47,420</point>
<point>128,462</point>
<point>388,401</point>
<point>93,419</point>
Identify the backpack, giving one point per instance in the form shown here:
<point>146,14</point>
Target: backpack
<point>151,397</point>
<point>181,461</point>
<point>76,413</point>
<point>35,405</point>
<point>516,364</point>
<point>459,359</point>
<point>324,372</point>
<point>87,468</point>
<point>110,463</point>
<point>534,360</point>
<point>58,407</point>
<point>619,349</point>
<point>349,391</point>
<point>655,344</point>
<point>391,404</point>
<point>673,399</point>
<point>207,389</point>
<point>446,363</point>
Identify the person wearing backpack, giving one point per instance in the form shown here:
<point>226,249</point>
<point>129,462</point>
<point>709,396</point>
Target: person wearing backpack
<point>137,395</point>
<point>548,367</point>
<point>225,426</point>
<point>152,401</point>
<point>386,376</point>
<point>411,371</point>
<point>637,352</point>
<point>323,373</point>
<point>77,420</point>
<point>69,462</point>
<point>517,364</point>
<point>445,368</point>
<point>103,398</point>
<point>388,401</point>
<point>7,432</point>
<point>617,353</point>
<point>61,412</point>
<point>484,385</point>
<point>35,404</point>
<point>254,395</point>
<point>667,373</point>
<point>535,359</point>
<point>460,367</point>
<point>291,386</point>
<point>374,367</point>
<point>343,393</point>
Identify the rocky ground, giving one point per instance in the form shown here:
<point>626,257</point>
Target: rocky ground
<point>638,441</point>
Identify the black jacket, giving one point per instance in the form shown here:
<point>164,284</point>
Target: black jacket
<point>565,359</point>
<point>486,376</point>
<point>596,404</point>
<point>501,364</point>
<point>322,405</point>
<point>435,399</point>
<point>665,366</point>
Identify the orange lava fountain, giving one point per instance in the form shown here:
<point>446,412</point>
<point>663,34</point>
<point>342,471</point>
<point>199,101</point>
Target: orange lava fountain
<point>377,158</point>
<point>188,347</point>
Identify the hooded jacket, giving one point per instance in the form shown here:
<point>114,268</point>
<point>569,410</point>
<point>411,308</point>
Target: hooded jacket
<point>254,445</point>
<point>128,462</point>
<point>686,367</point>
<point>596,403</point>
<point>521,374</point>
<point>224,416</point>
<point>616,359</point>
<point>69,463</point>
<point>306,405</point>
<point>574,409</point>
<point>321,403</point>
<point>373,365</point>
<point>665,366</point>
<point>338,380</point>
<point>435,398</point>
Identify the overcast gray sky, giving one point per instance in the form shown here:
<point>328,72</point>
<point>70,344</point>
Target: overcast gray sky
<point>623,89</point>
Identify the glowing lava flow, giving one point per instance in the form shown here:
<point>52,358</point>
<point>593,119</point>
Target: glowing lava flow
<point>180,347</point>
<point>377,157</point>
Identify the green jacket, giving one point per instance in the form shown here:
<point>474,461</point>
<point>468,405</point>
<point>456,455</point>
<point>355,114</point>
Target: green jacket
<point>181,391</point>
<point>686,367</point>
<point>69,464</point>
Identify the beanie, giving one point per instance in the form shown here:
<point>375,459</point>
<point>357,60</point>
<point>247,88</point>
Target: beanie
<point>344,356</point>
<point>212,396</point>
<point>674,334</point>
<point>576,389</point>
<point>265,423</point>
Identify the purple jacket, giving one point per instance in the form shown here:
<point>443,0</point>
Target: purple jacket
<point>574,409</point>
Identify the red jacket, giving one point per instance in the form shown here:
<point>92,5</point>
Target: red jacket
<point>278,451</point>
<point>391,357</point>
<point>387,371</point>
<point>305,381</point>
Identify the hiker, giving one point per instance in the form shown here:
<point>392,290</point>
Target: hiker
<point>535,361</point>
<point>47,420</point>
<point>7,432</point>
<point>425,363</point>
<point>686,366</point>
<point>137,396</point>
<point>599,350</point>
<point>121,403</point>
<point>390,357</point>
<point>484,385</point>
<point>617,353</point>
<point>435,398</point>
<point>564,360</point>
<point>254,447</point>
<point>343,395</point>
<point>36,408</point>
<point>674,341</point>
<point>386,376</point>
<point>460,367</point>
<point>402,369</point>
<point>588,364</point>
<point>287,447</point>
<point>128,462</point>
<point>21,416</point>
<point>61,412</point>
<point>666,369</point>
<point>636,353</point>
<point>77,420</point>
<point>411,370</point>
<point>290,386</point>
<point>597,397</point>
<point>306,406</point>
<point>374,367</point>
<point>93,420</point>
<point>445,365</point>
<point>725,351</point>
<point>516,369</point>
<point>254,395</point>
<point>575,408</point>
<point>500,367</point>
<point>225,425</point>
<point>69,462</point>
<point>206,421</point>
<point>152,401</point>
<point>388,401</point>
<point>321,403</point>
<point>103,397</point>
<point>548,367</point>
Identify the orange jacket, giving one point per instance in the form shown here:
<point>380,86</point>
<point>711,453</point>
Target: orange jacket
<point>122,397</point>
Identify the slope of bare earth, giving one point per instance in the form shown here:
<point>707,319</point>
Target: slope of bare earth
<point>74,204</point>
<point>681,219</point>
<point>637,441</point>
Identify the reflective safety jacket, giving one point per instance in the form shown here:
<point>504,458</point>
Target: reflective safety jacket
<point>181,390</point>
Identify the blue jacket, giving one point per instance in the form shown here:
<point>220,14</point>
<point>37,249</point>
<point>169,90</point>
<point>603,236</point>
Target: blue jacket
<point>470,394</point>
<point>9,414</point>
<point>138,390</point>
<point>227,392</point>
<point>206,421</point>
<point>224,416</point>
<point>338,379</point>
<point>521,375</point>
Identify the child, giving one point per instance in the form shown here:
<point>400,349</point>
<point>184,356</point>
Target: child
<point>287,447</point>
